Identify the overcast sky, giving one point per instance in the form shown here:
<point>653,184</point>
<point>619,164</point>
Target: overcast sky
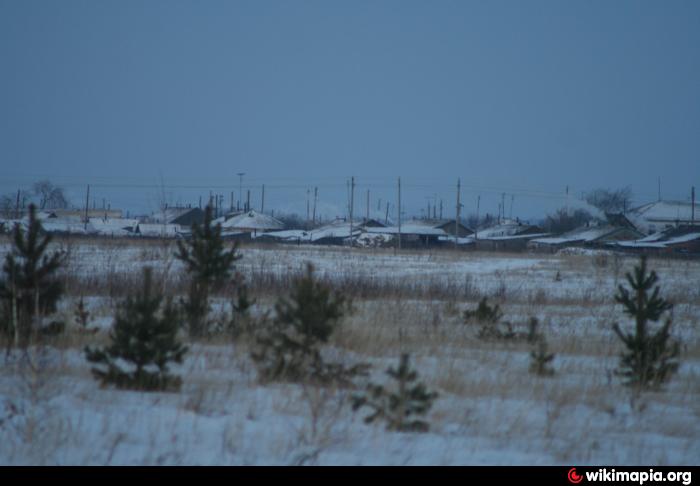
<point>521,97</point>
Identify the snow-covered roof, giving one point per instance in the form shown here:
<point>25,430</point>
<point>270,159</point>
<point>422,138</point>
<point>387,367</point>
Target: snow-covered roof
<point>284,235</point>
<point>664,239</point>
<point>507,228</point>
<point>528,236</point>
<point>649,216</point>
<point>466,240</point>
<point>61,225</point>
<point>584,234</point>
<point>158,229</point>
<point>335,231</point>
<point>114,226</point>
<point>409,229</point>
<point>252,220</point>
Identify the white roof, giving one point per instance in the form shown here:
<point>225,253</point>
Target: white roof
<point>334,231</point>
<point>409,229</point>
<point>158,229</point>
<point>253,220</point>
<point>114,226</point>
<point>509,228</point>
<point>585,234</point>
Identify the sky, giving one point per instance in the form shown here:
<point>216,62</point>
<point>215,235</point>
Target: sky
<point>153,101</point>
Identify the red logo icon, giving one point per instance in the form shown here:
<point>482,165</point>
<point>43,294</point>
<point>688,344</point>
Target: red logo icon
<point>573,477</point>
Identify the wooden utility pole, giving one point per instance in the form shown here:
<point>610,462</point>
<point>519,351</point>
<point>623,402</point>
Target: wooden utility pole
<point>262,200</point>
<point>87,203</point>
<point>352,206</point>
<point>313,220</point>
<point>476,229</point>
<point>386,217</point>
<point>459,190</point>
<point>512,199</point>
<point>399,213</point>
<point>367,215</point>
<point>247,203</point>
<point>440,209</point>
<point>308,207</point>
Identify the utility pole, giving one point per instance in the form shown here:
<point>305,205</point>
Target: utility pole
<point>440,209</point>
<point>476,229</point>
<point>87,203</point>
<point>512,198</point>
<point>17,206</point>
<point>459,190</point>
<point>313,220</point>
<point>240,190</point>
<point>399,213</point>
<point>367,216</point>
<point>692,198</point>
<point>247,203</point>
<point>231,208</point>
<point>262,203</point>
<point>308,207</point>
<point>352,206</point>
<point>386,217</point>
<point>503,205</point>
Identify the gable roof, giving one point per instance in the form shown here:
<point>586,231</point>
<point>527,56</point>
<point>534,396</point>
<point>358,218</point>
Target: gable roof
<point>252,220</point>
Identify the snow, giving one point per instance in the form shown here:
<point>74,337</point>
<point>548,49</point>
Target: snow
<point>252,220</point>
<point>490,410</point>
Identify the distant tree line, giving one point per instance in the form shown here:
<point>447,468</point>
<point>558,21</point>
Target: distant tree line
<point>44,195</point>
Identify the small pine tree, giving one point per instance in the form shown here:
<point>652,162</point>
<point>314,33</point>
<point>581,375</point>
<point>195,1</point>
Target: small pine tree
<point>209,264</point>
<point>541,359</point>
<point>81,314</point>
<point>288,348</point>
<point>651,358</point>
<point>29,289</point>
<point>241,321</point>
<point>401,408</point>
<point>145,337</point>
<point>489,317</point>
<point>484,313</point>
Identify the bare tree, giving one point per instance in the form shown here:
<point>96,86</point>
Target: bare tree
<point>611,201</point>
<point>50,196</point>
<point>563,220</point>
<point>7,205</point>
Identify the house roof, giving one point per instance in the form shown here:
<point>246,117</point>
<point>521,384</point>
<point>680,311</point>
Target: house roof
<point>409,229</point>
<point>507,228</point>
<point>252,220</point>
<point>585,234</point>
<point>665,211</point>
<point>158,229</point>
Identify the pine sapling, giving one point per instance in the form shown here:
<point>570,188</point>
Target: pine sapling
<point>143,343</point>
<point>81,316</point>
<point>29,289</point>
<point>490,319</point>
<point>288,347</point>
<point>401,408</point>
<point>541,359</point>
<point>210,264</point>
<point>651,357</point>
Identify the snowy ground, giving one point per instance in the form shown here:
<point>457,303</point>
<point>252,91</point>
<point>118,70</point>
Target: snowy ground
<point>491,410</point>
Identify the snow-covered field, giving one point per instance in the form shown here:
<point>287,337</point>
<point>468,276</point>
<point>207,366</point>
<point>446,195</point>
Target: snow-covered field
<point>490,409</point>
